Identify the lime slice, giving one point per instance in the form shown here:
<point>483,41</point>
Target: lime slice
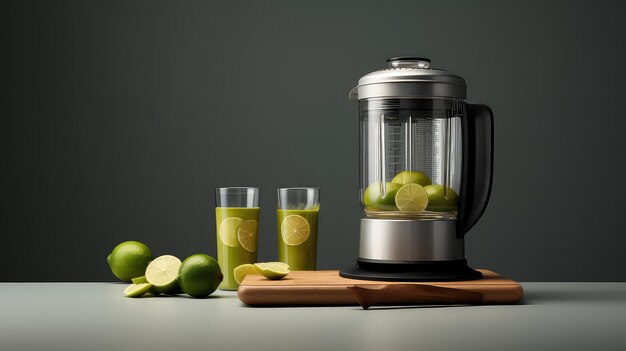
<point>162,273</point>
<point>240,272</point>
<point>411,198</point>
<point>271,270</point>
<point>228,231</point>
<point>295,229</point>
<point>246,235</point>
<point>136,290</point>
<point>139,280</point>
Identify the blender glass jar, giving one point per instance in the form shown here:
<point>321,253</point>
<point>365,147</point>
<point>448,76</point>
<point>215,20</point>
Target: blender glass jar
<point>410,141</point>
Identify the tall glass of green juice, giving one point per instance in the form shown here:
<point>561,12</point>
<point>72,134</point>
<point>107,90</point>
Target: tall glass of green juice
<point>297,219</point>
<point>237,223</point>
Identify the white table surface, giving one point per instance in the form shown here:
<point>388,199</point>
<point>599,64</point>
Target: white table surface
<point>96,316</point>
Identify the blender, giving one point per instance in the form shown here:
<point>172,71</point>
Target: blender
<point>426,172</point>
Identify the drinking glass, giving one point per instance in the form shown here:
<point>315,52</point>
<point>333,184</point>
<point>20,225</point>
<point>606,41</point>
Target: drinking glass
<point>237,223</point>
<point>297,214</point>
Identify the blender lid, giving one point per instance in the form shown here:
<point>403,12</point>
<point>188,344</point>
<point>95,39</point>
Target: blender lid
<point>409,77</point>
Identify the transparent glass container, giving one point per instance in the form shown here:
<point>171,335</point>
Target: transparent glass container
<point>411,140</point>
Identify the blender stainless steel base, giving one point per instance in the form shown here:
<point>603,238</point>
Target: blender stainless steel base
<point>410,250</point>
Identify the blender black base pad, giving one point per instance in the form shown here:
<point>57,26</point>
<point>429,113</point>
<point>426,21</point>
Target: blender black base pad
<point>431,271</point>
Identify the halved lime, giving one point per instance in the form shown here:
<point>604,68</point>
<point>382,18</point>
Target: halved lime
<point>411,198</point>
<point>416,177</point>
<point>228,231</point>
<point>381,196</point>
<point>246,235</point>
<point>139,280</point>
<point>136,290</point>
<point>440,198</point>
<point>162,273</point>
<point>271,270</point>
<point>295,229</point>
<point>240,272</point>
<point>280,265</point>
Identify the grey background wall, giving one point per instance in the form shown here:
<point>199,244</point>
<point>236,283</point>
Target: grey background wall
<point>119,118</point>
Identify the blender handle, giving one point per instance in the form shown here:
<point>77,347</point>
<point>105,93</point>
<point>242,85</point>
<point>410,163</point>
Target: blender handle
<point>354,93</point>
<point>477,168</point>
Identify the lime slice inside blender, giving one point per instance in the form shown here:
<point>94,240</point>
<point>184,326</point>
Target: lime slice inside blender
<point>411,198</point>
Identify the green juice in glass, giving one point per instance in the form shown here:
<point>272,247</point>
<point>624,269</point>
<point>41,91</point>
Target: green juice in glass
<point>237,239</point>
<point>297,238</point>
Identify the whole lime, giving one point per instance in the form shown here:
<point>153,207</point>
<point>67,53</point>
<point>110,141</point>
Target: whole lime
<point>441,199</point>
<point>416,177</point>
<point>129,260</point>
<point>199,275</point>
<point>377,197</point>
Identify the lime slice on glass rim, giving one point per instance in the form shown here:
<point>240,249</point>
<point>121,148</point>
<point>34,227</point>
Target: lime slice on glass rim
<point>136,290</point>
<point>162,273</point>
<point>411,198</point>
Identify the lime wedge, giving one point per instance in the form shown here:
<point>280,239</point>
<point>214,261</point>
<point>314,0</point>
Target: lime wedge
<point>411,198</point>
<point>228,231</point>
<point>240,272</point>
<point>295,229</point>
<point>136,290</point>
<point>280,265</point>
<point>271,270</point>
<point>246,235</point>
<point>139,280</point>
<point>162,273</point>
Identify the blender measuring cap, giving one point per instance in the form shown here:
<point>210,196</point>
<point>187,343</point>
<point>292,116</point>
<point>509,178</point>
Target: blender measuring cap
<point>409,77</point>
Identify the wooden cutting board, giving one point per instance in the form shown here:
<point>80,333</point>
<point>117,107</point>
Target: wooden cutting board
<point>327,288</point>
